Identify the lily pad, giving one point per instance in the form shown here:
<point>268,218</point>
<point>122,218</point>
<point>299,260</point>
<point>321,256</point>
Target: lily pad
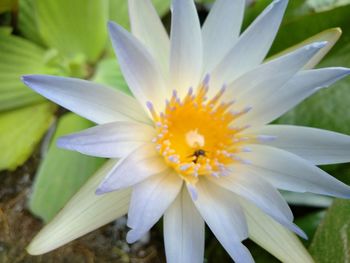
<point>73,27</point>
<point>18,57</point>
<point>331,240</point>
<point>27,22</point>
<point>20,132</point>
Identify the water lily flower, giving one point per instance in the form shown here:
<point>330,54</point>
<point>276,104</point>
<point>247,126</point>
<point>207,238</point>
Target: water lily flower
<point>194,144</point>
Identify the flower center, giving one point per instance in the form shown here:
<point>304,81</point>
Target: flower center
<point>195,135</point>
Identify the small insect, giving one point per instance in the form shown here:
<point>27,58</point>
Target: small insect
<point>197,154</point>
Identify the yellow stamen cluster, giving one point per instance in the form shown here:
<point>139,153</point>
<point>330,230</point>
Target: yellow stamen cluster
<point>195,135</point>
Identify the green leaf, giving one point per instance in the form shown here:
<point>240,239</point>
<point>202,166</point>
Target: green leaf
<point>27,22</point>
<point>73,27</point>
<point>309,224</point>
<point>18,57</point>
<point>331,240</point>
<point>108,72</point>
<point>20,132</point>
<point>62,172</point>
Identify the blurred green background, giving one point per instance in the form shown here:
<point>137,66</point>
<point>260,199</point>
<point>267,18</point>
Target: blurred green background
<point>69,38</point>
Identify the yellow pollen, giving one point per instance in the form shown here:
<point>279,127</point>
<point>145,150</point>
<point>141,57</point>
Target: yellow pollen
<point>195,135</point>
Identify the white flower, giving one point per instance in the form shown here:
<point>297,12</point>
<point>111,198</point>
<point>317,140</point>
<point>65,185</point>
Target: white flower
<point>194,144</point>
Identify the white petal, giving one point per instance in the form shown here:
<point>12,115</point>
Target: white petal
<point>224,216</point>
<point>262,194</point>
<point>141,71</point>
<point>273,237</point>
<point>149,200</point>
<point>316,145</point>
<point>134,168</point>
<point>301,86</point>
<point>221,30</point>
<point>252,46</point>
<point>183,231</point>
<point>111,140</point>
<point>307,199</point>
<point>186,46</point>
<point>256,86</point>
<point>331,35</point>
<point>93,101</point>
<point>84,213</point>
<point>287,171</point>
<point>147,27</point>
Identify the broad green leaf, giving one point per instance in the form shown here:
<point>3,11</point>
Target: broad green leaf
<point>27,22</point>
<point>73,27</point>
<point>18,57</point>
<point>7,5</point>
<point>108,72</point>
<point>118,10</point>
<point>331,240</point>
<point>309,224</point>
<point>62,172</point>
<point>20,132</point>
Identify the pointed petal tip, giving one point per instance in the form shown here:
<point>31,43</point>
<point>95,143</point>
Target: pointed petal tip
<point>113,27</point>
<point>343,72</point>
<point>63,142</point>
<point>300,232</point>
<point>129,237</point>
<point>105,188</point>
<point>35,247</point>
<point>338,29</point>
<point>100,191</point>
<point>317,45</point>
<point>26,79</point>
<point>133,235</point>
<point>30,250</point>
<point>346,71</point>
<point>111,24</point>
